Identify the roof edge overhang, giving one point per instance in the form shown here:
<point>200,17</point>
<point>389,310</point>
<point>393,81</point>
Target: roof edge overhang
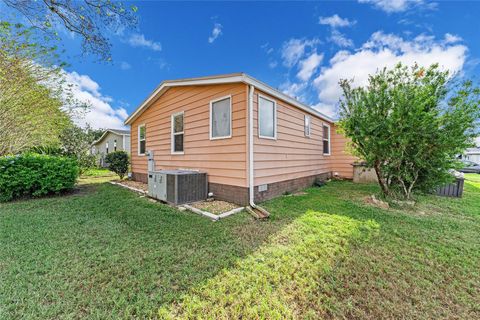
<point>105,133</point>
<point>222,79</point>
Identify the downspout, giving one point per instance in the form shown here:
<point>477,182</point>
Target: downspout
<point>251,187</point>
<point>253,209</point>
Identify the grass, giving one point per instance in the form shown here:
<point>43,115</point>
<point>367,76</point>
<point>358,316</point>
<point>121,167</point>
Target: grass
<point>98,172</point>
<point>108,253</point>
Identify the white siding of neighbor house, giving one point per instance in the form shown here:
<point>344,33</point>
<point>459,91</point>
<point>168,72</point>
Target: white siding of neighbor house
<point>100,148</point>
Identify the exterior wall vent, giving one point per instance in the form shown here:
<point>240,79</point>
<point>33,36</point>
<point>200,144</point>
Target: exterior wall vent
<point>262,187</point>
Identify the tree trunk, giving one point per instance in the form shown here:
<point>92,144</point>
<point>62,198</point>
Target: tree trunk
<point>381,180</point>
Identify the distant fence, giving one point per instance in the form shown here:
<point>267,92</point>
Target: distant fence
<point>454,189</point>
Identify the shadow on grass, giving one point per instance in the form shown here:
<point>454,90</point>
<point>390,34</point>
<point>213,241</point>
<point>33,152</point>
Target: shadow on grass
<point>112,254</point>
<point>280,279</point>
<point>108,253</point>
<point>424,261</point>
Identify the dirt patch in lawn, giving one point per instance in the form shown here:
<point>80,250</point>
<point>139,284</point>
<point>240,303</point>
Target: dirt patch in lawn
<point>133,184</point>
<point>215,206</point>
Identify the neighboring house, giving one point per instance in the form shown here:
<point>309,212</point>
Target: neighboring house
<point>472,154</point>
<point>111,140</point>
<point>205,124</point>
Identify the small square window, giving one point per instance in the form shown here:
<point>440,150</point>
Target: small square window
<point>221,118</point>
<point>308,126</point>
<point>267,126</point>
<point>177,132</point>
<point>326,140</point>
<point>142,139</point>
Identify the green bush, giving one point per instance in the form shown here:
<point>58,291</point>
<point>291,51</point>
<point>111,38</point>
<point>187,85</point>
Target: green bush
<point>35,175</point>
<point>86,162</point>
<point>118,162</point>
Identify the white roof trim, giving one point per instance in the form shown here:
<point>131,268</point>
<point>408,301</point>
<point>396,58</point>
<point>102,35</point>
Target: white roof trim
<point>105,133</point>
<point>232,78</point>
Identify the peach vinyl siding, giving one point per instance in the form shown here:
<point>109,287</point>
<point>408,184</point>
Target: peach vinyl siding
<point>225,160</point>
<point>292,155</point>
<point>341,159</point>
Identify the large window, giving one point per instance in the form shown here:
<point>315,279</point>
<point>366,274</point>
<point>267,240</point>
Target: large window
<point>267,118</point>
<point>142,138</point>
<point>177,133</point>
<point>221,118</point>
<point>308,126</point>
<point>326,139</point>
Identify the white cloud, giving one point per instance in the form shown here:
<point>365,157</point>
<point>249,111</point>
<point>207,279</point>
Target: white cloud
<point>139,40</point>
<point>327,109</point>
<point>293,89</point>
<point>100,114</point>
<point>216,32</point>
<point>391,6</point>
<point>385,50</point>
<point>309,65</point>
<point>272,64</point>
<point>294,49</point>
<point>83,83</point>
<point>452,38</point>
<point>340,39</point>
<point>267,48</point>
<point>336,21</point>
<point>125,65</point>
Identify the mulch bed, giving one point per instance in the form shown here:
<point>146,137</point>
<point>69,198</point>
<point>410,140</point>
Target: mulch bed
<point>134,184</point>
<point>215,206</point>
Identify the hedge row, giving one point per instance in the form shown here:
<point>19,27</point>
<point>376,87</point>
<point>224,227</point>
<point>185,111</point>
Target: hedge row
<point>35,175</point>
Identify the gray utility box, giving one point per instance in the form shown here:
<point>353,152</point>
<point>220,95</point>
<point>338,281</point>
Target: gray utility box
<point>177,186</point>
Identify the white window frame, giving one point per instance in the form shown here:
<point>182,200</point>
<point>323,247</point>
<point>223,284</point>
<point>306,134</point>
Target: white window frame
<point>106,147</point>
<point>173,134</point>
<point>327,139</point>
<point>274,117</point>
<point>145,139</point>
<point>307,126</point>
<point>211,118</point>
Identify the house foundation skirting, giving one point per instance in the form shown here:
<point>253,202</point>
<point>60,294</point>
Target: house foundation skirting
<point>293,185</point>
<point>239,195</point>
<point>225,192</point>
<point>140,177</point>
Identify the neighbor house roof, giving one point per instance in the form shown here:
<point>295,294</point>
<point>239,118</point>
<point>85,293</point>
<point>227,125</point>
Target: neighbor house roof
<point>471,151</point>
<point>221,79</point>
<point>114,131</point>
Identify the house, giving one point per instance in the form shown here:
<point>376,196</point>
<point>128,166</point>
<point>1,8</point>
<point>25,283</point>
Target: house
<point>111,140</point>
<point>253,141</point>
<point>472,154</point>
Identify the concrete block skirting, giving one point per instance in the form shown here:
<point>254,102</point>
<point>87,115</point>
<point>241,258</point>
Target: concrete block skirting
<point>239,195</point>
<point>278,188</point>
<point>140,177</point>
<point>225,192</point>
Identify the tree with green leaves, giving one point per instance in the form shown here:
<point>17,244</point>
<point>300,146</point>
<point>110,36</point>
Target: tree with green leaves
<point>35,104</point>
<point>91,20</point>
<point>76,142</point>
<point>408,124</point>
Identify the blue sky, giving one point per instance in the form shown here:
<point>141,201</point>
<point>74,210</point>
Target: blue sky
<point>302,48</point>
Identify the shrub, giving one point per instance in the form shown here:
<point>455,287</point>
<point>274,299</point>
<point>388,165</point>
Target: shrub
<point>86,162</point>
<point>35,175</point>
<point>118,162</point>
<point>409,124</point>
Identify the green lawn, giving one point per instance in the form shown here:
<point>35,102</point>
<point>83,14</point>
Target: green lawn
<point>104,252</point>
